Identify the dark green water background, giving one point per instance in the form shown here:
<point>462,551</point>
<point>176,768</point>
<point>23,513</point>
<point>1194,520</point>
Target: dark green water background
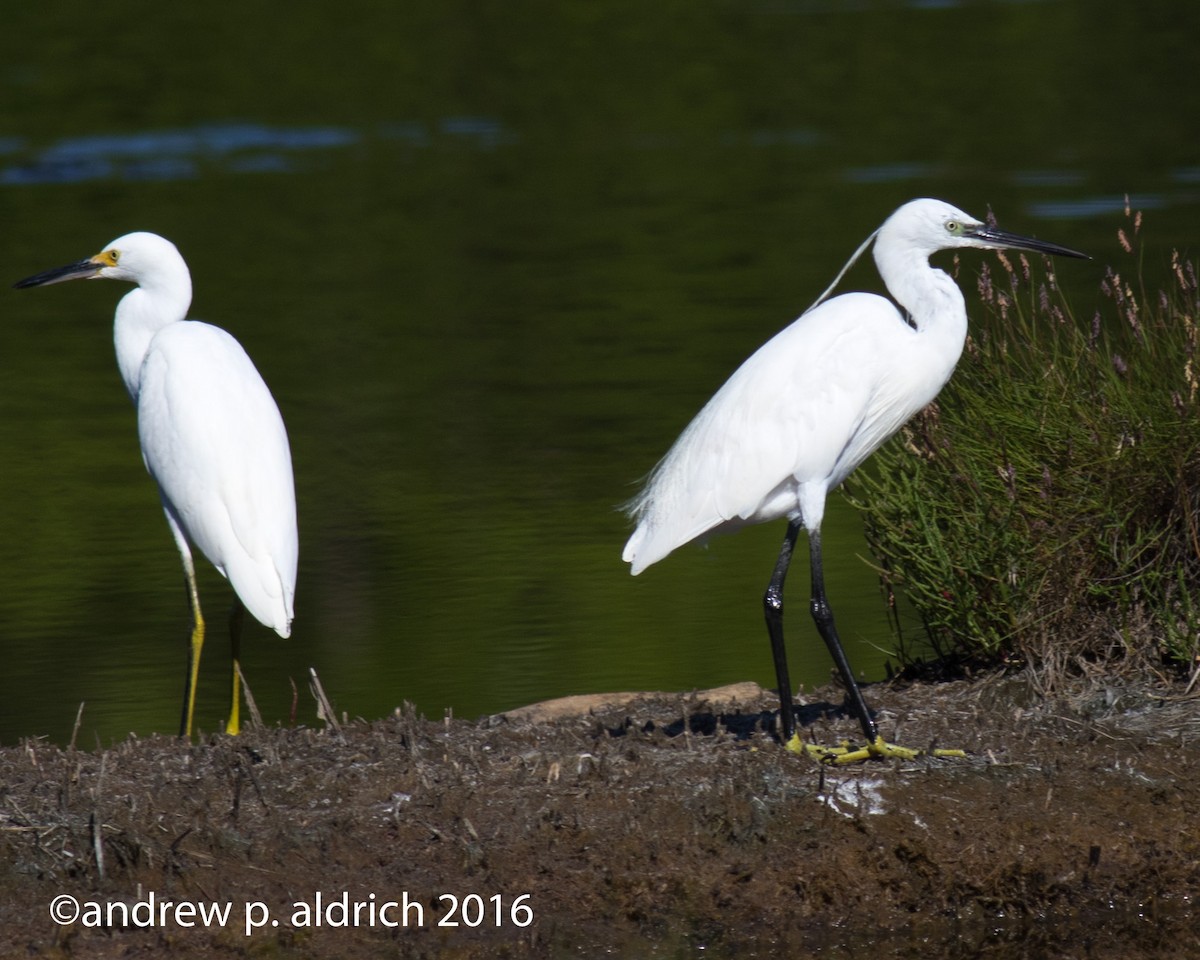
<point>491,257</point>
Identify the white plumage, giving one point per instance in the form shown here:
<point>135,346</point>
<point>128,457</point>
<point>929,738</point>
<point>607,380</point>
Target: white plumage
<point>813,403</point>
<point>200,394</point>
<point>211,436</point>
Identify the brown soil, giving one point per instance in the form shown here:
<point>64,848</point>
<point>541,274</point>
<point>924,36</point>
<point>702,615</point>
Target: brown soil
<point>620,830</point>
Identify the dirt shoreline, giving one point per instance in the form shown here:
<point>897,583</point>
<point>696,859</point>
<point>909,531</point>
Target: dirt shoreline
<point>613,826</point>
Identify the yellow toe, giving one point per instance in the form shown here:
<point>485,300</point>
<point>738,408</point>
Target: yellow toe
<point>879,749</point>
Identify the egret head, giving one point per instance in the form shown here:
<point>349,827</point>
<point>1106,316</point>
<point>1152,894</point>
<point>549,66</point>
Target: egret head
<point>134,257</point>
<point>926,226</point>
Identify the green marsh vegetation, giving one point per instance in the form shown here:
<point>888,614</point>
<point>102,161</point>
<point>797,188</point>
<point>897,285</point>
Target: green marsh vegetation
<point>1045,511</point>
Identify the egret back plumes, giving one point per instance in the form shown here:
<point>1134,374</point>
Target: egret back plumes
<point>812,404</point>
<point>211,437</point>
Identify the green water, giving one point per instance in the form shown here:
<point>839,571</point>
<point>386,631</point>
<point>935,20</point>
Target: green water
<point>491,258</point>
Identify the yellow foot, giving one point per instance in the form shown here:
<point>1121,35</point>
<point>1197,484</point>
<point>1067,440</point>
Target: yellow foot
<point>880,749</point>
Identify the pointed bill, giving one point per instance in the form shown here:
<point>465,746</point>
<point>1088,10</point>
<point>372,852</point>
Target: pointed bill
<point>993,238</point>
<point>81,270</point>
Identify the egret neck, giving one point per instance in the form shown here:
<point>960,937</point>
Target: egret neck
<point>157,301</point>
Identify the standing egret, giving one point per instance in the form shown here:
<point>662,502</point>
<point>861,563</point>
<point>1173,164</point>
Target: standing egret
<point>211,436</point>
<point>807,408</point>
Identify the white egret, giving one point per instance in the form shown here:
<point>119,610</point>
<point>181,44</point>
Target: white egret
<point>811,405</point>
<point>211,436</point>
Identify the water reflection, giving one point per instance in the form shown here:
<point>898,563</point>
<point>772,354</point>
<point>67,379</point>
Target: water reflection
<point>234,147</point>
<point>798,137</point>
<point>1049,178</point>
<point>169,154</point>
<point>1081,207</point>
<point>891,173</point>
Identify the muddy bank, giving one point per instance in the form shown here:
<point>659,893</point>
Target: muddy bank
<point>663,825</point>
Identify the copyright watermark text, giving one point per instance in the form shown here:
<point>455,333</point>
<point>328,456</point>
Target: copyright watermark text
<point>322,910</point>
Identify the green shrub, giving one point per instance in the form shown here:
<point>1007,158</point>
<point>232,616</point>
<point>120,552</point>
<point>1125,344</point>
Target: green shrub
<point>1046,509</point>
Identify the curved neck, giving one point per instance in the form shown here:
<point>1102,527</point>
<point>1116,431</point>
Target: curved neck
<point>140,315</point>
<point>930,296</point>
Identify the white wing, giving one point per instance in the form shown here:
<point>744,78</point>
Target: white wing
<point>803,411</point>
<point>214,441</point>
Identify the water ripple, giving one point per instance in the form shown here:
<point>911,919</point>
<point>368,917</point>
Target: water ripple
<point>890,173</point>
<point>1048,178</point>
<point>240,147</point>
<point>1095,206</point>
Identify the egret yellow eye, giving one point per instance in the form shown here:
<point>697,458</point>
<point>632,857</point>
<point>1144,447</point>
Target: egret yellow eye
<point>108,258</point>
<point>954,227</point>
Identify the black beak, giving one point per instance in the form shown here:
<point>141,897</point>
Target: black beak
<point>84,269</point>
<point>1001,239</point>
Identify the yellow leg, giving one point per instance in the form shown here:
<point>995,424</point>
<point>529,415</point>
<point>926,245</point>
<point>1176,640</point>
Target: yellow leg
<point>235,642</point>
<point>879,749</point>
<point>197,644</point>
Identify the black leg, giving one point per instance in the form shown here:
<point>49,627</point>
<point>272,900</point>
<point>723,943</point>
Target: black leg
<point>823,616</point>
<point>773,608</point>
